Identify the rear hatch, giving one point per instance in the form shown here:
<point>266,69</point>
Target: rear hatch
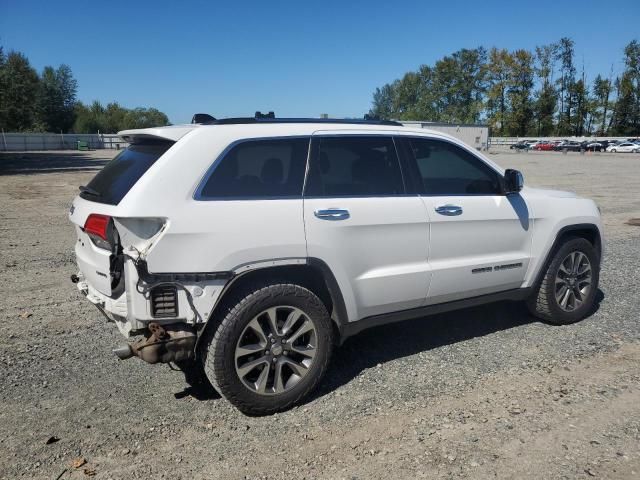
<point>98,250</point>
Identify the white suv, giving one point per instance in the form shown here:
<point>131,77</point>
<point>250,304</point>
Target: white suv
<point>243,250</point>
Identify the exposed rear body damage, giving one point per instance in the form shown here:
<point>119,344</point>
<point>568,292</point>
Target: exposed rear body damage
<point>248,248</point>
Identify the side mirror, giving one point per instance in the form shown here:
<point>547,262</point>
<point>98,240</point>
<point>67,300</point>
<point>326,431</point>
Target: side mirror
<point>513,181</point>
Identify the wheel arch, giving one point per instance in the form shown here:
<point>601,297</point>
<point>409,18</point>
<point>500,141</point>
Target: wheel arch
<point>588,231</point>
<point>314,274</point>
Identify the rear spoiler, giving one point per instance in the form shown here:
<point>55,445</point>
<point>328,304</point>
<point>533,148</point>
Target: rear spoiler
<point>145,135</point>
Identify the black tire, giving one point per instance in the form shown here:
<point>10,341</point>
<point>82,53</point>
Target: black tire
<point>543,303</point>
<point>219,346</point>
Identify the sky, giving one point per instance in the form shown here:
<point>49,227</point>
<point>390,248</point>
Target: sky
<point>297,58</point>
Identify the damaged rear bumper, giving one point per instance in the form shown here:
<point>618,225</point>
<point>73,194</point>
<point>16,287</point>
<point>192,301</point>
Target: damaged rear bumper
<point>166,339</point>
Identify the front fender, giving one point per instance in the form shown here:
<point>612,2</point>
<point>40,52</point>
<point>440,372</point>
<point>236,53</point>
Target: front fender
<point>553,219</point>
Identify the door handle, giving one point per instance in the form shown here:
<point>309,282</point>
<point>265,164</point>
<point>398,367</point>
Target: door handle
<point>332,214</point>
<point>449,210</point>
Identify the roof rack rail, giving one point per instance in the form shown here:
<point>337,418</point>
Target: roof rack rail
<point>269,119</point>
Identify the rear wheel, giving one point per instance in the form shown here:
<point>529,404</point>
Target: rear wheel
<point>568,289</point>
<point>271,349</point>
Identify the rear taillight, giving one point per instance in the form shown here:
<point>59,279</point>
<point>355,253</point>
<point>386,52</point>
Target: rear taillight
<point>99,227</point>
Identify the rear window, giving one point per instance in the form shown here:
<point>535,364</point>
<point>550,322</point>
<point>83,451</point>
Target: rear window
<point>272,168</point>
<point>117,177</point>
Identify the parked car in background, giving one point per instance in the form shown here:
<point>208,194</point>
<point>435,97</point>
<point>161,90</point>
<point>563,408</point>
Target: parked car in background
<point>567,146</point>
<point>593,146</point>
<point>624,147</point>
<point>519,146</point>
<point>544,146</point>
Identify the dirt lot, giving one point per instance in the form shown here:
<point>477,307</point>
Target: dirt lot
<point>481,393</point>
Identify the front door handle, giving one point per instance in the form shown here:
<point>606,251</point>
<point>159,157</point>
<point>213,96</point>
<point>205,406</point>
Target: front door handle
<point>449,210</point>
<point>332,214</point>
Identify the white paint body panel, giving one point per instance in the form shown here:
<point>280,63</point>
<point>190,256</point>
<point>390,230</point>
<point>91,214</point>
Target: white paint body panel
<point>379,255</point>
<point>492,231</point>
<point>393,253</point>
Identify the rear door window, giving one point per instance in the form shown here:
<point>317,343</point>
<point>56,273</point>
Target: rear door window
<point>118,176</point>
<point>270,168</point>
<point>355,166</point>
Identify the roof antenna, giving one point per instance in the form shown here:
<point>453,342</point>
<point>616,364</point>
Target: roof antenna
<point>202,118</point>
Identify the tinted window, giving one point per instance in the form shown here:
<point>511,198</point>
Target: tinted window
<point>355,166</point>
<point>260,169</point>
<point>447,169</point>
<point>117,177</point>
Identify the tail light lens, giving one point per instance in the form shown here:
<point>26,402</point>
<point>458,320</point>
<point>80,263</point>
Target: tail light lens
<point>100,230</point>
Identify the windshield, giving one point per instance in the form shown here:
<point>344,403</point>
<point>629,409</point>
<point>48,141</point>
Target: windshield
<point>117,177</point>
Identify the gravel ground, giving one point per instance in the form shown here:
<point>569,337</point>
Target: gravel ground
<point>481,393</point>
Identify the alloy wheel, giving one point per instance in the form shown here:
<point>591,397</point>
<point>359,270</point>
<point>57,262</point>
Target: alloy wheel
<point>276,350</point>
<point>573,281</point>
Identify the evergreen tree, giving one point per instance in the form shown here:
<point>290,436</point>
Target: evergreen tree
<point>20,89</point>
<point>601,93</point>
<point>521,84</point>
<point>498,76</point>
<point>56,99</point>
<point>566,85</point>
<point>627,120</point>
<point>546,97</point>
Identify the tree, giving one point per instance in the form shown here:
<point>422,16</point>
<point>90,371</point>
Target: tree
<point>498,83</point>
<point>19,93</point>
<point>580,102</point>
<point>519,93</point>
<point>460,81</point>
<point>546,97</point>
<point>601,92</point>
<point>90,119</point>
<point>56,99</point>
<point>622,123</point>
<point>566,83</point>
<point>383,102</point>
<point>145,118</point>
<point>627,119</point>
<point>3,88</point>
<point>407,93</point>
<point>96,118</point>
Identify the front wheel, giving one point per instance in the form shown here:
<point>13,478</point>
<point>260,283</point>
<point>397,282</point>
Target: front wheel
<point>613,150</point>
<point>568,289</point>
<point>271,349</point>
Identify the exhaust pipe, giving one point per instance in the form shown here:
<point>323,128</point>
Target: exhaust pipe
<point>162,344</point>
<point>123,352</point>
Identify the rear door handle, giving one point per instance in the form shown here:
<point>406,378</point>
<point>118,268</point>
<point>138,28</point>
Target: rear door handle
<point>332,214</point>
<point>449,210</point>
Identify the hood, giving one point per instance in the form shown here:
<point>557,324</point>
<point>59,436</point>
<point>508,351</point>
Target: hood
<point>545,192</point>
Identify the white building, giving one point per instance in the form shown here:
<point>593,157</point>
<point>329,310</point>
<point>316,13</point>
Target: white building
<point>474,135</point>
